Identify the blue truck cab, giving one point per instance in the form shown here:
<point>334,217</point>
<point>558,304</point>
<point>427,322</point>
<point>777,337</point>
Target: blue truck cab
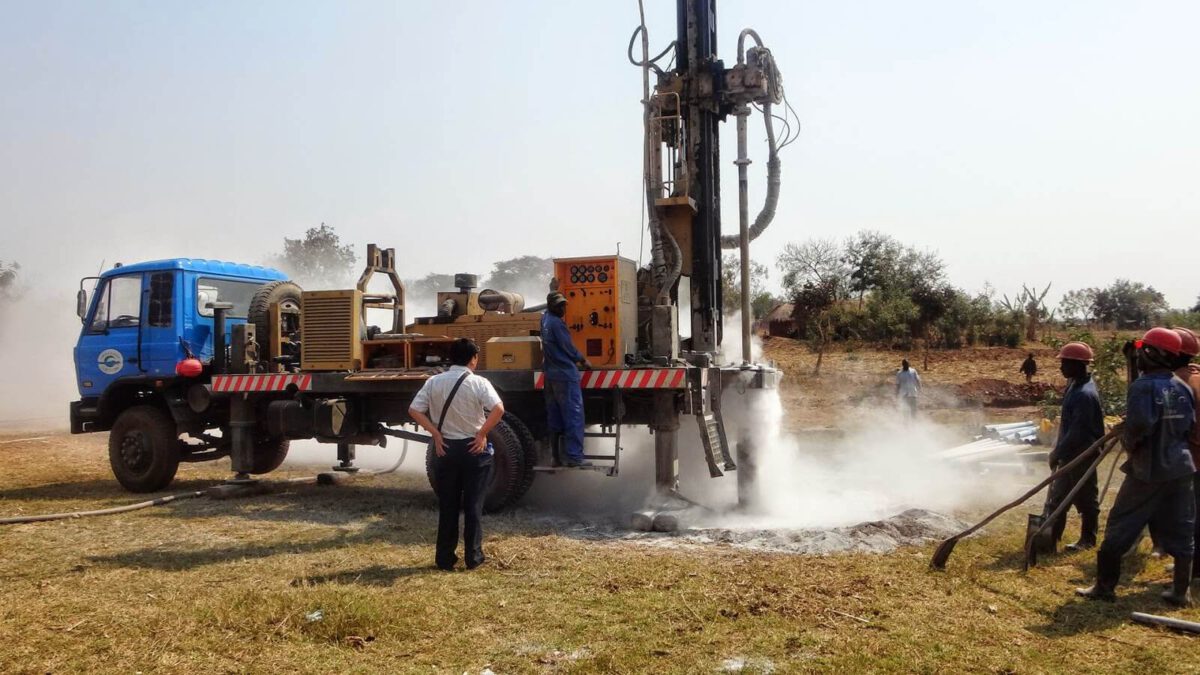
<point>140,321</point>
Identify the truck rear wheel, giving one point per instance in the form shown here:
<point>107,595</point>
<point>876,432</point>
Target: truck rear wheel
<point>510,468</point>
<point>269,453</point>
<point>143,449</point>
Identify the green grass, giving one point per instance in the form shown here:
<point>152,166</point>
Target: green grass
<point>226,586</point>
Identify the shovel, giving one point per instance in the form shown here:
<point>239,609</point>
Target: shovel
<point>1031,541</point>
<point>942,554</point>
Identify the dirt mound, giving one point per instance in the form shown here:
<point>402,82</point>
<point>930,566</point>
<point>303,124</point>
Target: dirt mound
<point>908,528</point>
<point>996,393</point>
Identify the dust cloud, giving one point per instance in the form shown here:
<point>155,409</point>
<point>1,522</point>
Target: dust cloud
<point>38,330</point>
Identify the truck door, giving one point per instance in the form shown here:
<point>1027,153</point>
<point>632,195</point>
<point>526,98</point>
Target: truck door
<point>109,345</point>
<point>160,348</point>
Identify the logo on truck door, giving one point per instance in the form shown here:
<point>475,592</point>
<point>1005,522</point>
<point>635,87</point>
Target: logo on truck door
<point>110,361</point>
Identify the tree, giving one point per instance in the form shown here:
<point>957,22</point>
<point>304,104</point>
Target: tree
<point>8,279</point>
<point>1077,305</point>
<point>871,257</point>
<point>1196,307</point>
<point>318,260</point>
<point>814,309</point>
<point>1128,304</point>
<point>527,274</point>
<point>428,286</point>
<point>816,262</point>
<point>761,300</point>
<point>1032,305</point>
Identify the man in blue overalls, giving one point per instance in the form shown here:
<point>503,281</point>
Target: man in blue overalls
<point>564,400</point>
<point>1157,490</point>
<point>1081,424</point>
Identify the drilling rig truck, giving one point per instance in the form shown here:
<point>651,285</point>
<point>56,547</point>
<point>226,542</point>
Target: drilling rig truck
<point>185,360</point>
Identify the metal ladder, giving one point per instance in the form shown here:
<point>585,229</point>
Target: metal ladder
<point>712,435</point>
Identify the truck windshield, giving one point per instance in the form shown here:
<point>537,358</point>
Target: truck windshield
<point>119,305</point>
<point>240,293</point>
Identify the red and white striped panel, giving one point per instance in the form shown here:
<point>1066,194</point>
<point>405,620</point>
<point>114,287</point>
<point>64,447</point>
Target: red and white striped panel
<point>642,378</point>
<point>278,382</point>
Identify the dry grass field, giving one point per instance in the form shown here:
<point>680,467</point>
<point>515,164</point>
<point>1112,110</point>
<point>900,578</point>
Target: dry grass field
<point>339,579</point>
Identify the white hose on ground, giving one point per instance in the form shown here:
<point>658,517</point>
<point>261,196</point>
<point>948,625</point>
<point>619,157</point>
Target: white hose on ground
<point>160,501</point>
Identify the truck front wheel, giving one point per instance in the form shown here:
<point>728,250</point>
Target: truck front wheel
<point>143,449</point>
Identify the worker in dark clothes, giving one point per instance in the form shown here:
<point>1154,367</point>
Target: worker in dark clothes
<point>467,408</point>
<point>1190,373</point>
<point>1029,368</point>
<point>564,400</point>
<point>1158,482</point>
<point>1080,424</point>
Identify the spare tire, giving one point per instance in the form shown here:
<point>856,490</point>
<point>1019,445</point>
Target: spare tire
<point>510,468</point>
<point>287,294</point>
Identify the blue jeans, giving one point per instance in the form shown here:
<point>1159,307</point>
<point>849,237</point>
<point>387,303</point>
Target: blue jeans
<point>564,415</point>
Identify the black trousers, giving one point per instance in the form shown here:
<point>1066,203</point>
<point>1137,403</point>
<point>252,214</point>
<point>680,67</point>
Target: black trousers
<point>462,481</point>
<point>1169,508</point>
<point>1196,532</point>
<point>1086,502</point>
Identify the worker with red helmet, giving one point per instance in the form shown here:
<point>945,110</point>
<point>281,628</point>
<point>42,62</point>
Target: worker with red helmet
<point>1190,373</point>
<point>1159,473</point>
<point>1081,423</point>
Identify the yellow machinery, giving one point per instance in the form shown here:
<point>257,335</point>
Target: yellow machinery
<point>331,323</point>
<point>601,294</point>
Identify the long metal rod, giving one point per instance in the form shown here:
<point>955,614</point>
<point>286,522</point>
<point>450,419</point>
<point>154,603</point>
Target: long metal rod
<point>742,162</point>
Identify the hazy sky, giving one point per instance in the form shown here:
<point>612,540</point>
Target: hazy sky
<point>1025,141</point>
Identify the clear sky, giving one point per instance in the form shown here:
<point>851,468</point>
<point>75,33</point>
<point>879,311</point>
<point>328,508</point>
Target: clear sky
<point>1025,141</point>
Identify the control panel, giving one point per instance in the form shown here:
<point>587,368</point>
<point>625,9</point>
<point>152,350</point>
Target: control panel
<point>601,313</point>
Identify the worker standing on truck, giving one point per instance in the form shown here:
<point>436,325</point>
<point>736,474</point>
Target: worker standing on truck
<point>1190,373</point>
<point>1158,481</point>
<point>467,408</point>
<point>1081,423</point>
<point>564,400</point>
<point>908,386</point>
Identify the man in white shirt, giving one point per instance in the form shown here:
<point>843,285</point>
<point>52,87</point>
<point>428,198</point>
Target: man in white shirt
<point>908,385</point>
<point>467,408</point>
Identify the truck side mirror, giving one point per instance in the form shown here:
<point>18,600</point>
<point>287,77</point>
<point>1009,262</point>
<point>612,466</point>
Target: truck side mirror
<point>81,304</point>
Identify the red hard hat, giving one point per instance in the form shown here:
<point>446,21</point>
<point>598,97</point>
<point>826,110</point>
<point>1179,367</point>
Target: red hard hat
<point>1189,345</point>
<point>1164,339</point>
<point>1076,351</point>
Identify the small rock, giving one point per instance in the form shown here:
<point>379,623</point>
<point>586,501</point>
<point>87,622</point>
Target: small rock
<point>314,616</point>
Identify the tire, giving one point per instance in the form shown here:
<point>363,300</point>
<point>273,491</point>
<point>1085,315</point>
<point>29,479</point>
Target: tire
<point>259,314</point>
<point>510,467</point>
<point>269,453</point>
<point>143,449</point>
<point>531,452</point>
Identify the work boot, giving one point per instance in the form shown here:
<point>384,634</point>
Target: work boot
<point>1083,544</point>
<point>1108,573</point>
<point>1179,594</point>
<point>1087,533</point>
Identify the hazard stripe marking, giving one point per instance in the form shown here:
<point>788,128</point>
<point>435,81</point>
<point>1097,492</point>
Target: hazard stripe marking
<point>255,383</point>
<point>641,378</point>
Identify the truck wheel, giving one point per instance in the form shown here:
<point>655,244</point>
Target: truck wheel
<point>509,466</point>
<point>269,453</point>
<point>143,449</point>
<point>531,454</point>
<point>287,294</point>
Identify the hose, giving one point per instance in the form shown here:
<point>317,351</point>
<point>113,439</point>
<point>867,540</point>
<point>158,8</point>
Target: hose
<point>103,512</point>
<point>160,501</point>
<point>767,214</point>
<point>662,244</point>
